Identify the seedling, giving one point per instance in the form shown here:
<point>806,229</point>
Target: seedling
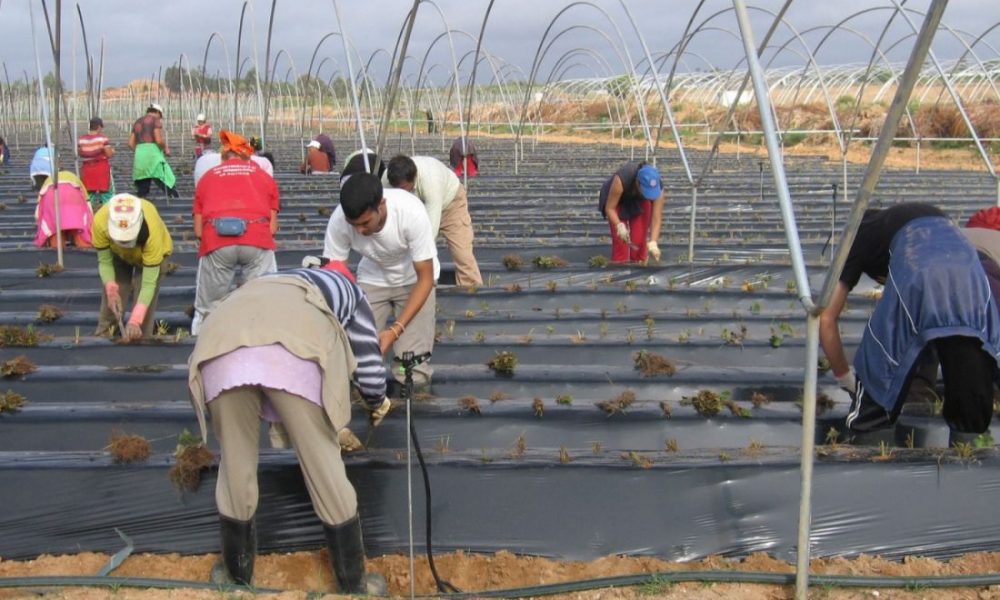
<point>641,461</point>
<point>49,313</point>
<point>190,458</point>
<point>964,450</point>
<point>162,327</point>
<point>503,363</point>
<point>470,404</point>
<point>737,410</point>
<point>629,337</point>
<point>485,457</point>
<point>479,336</point>
<point>724,456</point>
<point>579,338</point>
<point>538,407</point>
<point>528,337</point>
<point>655,586</point>
<point>324,211</point>
<point>127,449</point>
<point>551,285</point>
<point>512,262</point>
<point>558,310</point>
<point>759,399</point>
<point>520,447</point>
<point>631,285</point>
<point>470,314</point>
<point>790,286</point>
<point>672,445</point>
<point>45,269</point>
<point>180,333</point>
<point>302,217</point>
<point>443,444</point>
<point>706,402</point>
<point>884,451</point>
<point>665,408</point>
<point>563,455</point>
<point>548,262</point>
<point>11,402</point>
<point>832,435</point>
<point>910,439</point>
<point>449,327</point>
<point>514,288</point>
<point>12,335</point>
<point>598,262</point>
<point>550,329</point>
<point>17,367</point>
<point>621,307</point>
<point>755,307</point>
<point>684,336</point>
<point>597,448</point>
<point>650,326</point>
<point>170,267</point>
<point>498,395</point>
<point>651,365</point>
<point>602,330</point>
<point>617,404</point>
<point>755,447</point>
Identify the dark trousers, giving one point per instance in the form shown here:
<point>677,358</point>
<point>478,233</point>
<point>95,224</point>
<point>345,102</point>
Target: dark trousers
<point>142,187</point>
<point>968,373</point>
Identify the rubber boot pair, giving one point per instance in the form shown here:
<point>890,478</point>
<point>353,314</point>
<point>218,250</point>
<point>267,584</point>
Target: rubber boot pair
<point>239,549</point>
<point>347,557</point>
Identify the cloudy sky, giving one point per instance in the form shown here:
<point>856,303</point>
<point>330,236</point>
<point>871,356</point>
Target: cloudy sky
<point>142,36</point>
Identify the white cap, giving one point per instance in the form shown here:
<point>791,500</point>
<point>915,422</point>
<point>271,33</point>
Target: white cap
<point>156,107</point>
<point>312,144</point>
<point>201,116</point>
<point>124,218</point>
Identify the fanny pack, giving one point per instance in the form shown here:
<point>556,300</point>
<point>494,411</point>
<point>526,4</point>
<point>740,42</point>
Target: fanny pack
<point>233,226</point>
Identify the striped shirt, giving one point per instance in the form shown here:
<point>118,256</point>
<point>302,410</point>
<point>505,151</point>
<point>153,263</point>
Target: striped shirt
<point>348,304</point>
<point>91,145</point>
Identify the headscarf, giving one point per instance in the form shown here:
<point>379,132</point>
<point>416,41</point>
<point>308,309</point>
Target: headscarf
<point>236,143</point>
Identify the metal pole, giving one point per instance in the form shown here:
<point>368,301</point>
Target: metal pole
<point>694,209</point>
<point>868,182</point>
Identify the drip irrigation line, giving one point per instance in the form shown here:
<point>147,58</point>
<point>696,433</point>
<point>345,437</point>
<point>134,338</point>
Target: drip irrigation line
<point>661,578</point>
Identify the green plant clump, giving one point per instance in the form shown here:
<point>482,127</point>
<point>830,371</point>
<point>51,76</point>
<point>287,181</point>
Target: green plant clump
<point>11,401</point>
<point>503,363</point>
<point>548,262</point>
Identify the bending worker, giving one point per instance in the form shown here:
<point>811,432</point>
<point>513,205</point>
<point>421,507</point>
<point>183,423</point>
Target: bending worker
<point>131,242</point>
<point>447,206</point>
<point>937,301</point>
<point>632,202</point>
<point>285,348</point>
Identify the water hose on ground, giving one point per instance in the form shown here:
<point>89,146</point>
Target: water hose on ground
<point>657,579</point>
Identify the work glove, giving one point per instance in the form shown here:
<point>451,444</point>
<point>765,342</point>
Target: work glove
<point>114,299</point>
<point>654,250</point>
<point>348,441</point>
<point>376,415</point>
<point>848,381</point>
<point>621,230</point>
<point>133,329</point>
<point>313,262</point>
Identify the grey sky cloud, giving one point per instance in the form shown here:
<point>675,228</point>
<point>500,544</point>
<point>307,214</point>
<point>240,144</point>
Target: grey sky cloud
<point>142,37</point>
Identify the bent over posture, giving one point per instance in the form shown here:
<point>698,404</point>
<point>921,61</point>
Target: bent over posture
<point>285,348</point>
<point>937,301</point>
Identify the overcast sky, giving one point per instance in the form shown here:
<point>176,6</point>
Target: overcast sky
<point>141,36</point>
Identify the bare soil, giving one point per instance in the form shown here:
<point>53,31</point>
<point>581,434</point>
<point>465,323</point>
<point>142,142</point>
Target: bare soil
<point>303,572</point>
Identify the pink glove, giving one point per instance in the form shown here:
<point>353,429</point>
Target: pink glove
<point>114,298</point>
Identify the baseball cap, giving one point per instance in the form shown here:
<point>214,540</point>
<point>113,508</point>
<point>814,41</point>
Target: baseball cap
<point>201,117</point>
<point>124,218</point>
<point>312,144</point>
<point>649,182</point>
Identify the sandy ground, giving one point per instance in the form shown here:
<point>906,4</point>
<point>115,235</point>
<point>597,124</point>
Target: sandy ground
<point>303,572</point>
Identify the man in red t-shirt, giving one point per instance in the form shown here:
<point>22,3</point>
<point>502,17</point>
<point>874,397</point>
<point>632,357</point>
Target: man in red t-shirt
<point>235,211</point>
<point>95,152</point>
<point>202,134</point>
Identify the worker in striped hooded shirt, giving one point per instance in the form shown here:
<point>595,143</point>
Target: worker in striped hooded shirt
<point>284,347</point>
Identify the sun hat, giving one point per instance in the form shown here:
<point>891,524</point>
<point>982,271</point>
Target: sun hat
<point>124,218</point>
<point>312,144</point>
<point>156,107</point>
<point>649,182</point>
<point>201,117</point>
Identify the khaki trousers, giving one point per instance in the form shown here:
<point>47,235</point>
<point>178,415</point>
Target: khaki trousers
<point>456,227</point>
<point>236,423</point>
<point>419,335</point>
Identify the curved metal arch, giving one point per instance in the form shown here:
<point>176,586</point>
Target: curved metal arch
<point>204,64</point>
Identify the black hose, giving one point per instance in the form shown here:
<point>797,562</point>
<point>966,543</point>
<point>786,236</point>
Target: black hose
<point>409,361</point>
<point>662,578</point>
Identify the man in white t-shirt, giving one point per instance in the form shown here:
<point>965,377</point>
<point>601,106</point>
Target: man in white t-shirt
<point>390,229</point>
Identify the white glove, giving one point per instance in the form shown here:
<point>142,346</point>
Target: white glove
<point>848,381</point>
<point>621,230</point>
<point>654,250</point>
<point>376,416</point>
<point>309,262</point>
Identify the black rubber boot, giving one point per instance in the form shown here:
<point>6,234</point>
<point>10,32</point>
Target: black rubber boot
<point>347,557</point>
<point>239,548</point>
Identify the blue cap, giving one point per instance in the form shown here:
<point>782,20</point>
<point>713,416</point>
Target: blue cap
<point>649,182</point>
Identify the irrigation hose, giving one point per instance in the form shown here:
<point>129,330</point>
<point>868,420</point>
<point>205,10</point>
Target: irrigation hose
<point>657,579</point>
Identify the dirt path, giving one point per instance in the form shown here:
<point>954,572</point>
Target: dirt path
<point>304,572</point>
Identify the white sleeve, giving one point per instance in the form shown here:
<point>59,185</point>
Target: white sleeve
<point>337,243</point>
<point>419,238</point>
